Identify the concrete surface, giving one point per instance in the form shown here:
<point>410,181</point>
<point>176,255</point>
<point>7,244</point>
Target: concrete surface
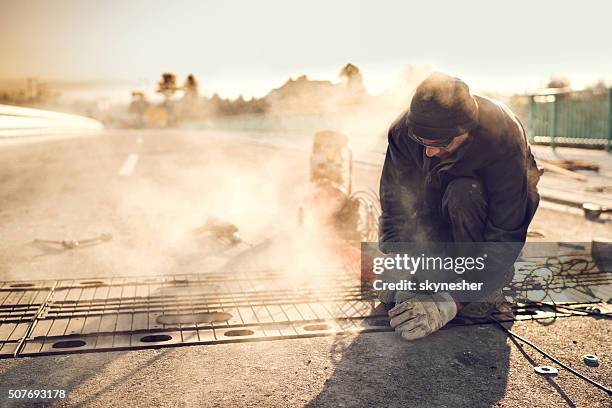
<point>80,187</point>
<point>460,367</point>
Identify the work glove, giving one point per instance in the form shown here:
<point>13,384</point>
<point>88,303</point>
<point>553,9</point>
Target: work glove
<point>419,315</point>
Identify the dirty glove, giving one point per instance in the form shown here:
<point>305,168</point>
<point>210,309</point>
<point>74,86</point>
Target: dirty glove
<point>419,315</point>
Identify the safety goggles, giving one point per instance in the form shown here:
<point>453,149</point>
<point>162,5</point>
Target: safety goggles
<point>442,143</point>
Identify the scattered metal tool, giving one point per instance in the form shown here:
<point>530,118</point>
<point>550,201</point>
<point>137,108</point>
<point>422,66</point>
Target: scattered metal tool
<point>223,231</point>
<point>74,244</point>
<point>591,360</point>
<point>545,370</point>
<point>593,211</point>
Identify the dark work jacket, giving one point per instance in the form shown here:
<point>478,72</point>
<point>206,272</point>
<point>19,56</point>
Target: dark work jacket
<point>496,152</point>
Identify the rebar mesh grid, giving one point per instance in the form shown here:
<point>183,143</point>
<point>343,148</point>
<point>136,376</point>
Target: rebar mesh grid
<point>122,313</point>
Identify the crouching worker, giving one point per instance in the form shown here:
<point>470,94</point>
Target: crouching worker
<point>458,168</point>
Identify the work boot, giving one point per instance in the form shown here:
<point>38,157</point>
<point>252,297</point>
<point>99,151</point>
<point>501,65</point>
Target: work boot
<point>493,304</point>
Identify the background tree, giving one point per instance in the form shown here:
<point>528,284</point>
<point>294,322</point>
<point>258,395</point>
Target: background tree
<point>191,87</point>
<point>167,85</point>
<point>558,82</point>
<point>352,78</point>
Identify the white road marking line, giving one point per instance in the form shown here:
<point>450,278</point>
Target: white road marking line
<point>129,165</point>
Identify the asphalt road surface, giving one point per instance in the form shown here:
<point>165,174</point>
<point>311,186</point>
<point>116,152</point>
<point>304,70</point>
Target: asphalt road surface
<point>148,189</point>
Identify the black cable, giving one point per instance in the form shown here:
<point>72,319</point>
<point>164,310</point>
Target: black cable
<point>550,357</point>
<point>562,274</point>
<point>585,312</point>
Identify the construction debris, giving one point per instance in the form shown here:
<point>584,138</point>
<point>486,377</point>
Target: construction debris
<point>549,166</point>
<point>591,360</point>
<point>534,234</point>
<point>593,211</point>
<point>223,231</point>
<point>74,244</point>
<point>599,189</point>
<point>574,165</point>
<point>545,370</point>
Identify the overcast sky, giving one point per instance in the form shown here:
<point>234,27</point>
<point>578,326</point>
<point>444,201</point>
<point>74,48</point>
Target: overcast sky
<point>250,46</point>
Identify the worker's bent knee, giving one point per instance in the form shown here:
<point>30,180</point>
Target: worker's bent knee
<point>465,197</point>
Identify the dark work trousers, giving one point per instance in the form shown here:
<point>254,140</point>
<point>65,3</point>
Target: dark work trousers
<point>458,213</point>
<point>462,214</point>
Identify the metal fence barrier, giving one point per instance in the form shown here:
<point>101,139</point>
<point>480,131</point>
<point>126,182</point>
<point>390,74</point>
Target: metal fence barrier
<point>569,118</point>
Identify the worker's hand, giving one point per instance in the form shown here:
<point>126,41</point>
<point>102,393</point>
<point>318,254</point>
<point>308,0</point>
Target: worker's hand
<point>419,315</point>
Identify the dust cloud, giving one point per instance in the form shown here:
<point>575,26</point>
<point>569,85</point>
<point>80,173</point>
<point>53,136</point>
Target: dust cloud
<point>257,189</point>
<point>258,181</point>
